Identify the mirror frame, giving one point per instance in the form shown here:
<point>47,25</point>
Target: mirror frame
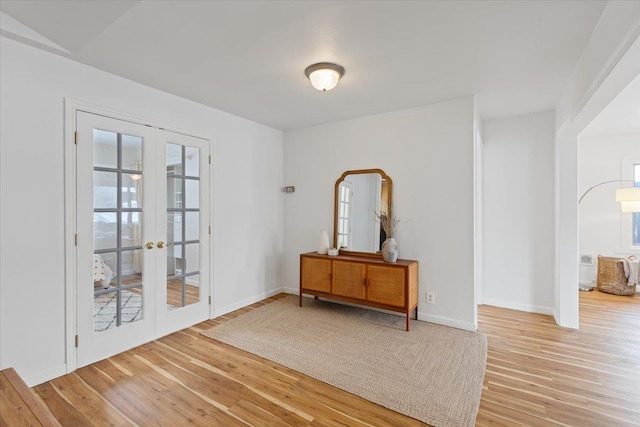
<point>337,202</point>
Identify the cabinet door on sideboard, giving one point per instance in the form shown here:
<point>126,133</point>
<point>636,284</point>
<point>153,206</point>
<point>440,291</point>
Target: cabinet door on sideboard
<point>386,285</point>
<point>349,279</point>
<point>316,274</point>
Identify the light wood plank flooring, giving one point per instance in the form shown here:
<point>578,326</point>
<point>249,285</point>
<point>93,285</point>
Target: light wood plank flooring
<point>540,374</point>
<point>174,291</point>
<point>537,374</point>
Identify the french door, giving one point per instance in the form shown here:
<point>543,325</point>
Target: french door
<point>142,234</point>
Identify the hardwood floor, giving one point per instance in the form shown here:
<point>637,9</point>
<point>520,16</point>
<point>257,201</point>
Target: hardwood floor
<point>537,374</point>
<point>174,291</point>
<point>19,405</point>
<point>541,374</point>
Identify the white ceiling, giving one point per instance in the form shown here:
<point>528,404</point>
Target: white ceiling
<point>248,57</point>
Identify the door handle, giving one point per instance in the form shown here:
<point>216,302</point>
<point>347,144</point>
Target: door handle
<point>160,244</point>
<point>149,245</point>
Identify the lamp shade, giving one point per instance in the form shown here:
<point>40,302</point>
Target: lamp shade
<point>628,194</point>
<point>324,76</point>
<point>630,206</point>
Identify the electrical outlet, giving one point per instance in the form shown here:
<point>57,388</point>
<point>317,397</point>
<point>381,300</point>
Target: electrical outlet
<point>431,298</point>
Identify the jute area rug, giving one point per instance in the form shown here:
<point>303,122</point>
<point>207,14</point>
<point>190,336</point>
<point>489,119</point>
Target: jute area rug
<point>432,373</point>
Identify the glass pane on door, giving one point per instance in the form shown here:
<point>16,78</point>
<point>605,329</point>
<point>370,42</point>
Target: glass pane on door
<point>183,226</point>
<point>117,229</point>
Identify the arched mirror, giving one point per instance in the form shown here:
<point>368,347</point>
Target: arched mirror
<point>358,195</point>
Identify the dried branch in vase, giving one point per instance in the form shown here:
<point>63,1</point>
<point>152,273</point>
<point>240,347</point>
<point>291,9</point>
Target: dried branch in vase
<point>389,223</point>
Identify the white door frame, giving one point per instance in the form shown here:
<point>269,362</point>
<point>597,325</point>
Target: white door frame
<point>478,219</point>
<point>620,69</point>
<point>71,107</point>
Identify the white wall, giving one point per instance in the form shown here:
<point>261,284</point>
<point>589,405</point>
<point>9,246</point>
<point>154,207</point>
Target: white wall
<point>428,153</point>
<point>603,229</point>
<point>248,211</point>
<point>518,212</point>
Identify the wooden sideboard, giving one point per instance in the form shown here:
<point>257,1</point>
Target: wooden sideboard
<point>361,280</point>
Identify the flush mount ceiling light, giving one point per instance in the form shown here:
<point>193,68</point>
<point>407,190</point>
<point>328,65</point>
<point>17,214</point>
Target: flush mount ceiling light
<point>324,76</point>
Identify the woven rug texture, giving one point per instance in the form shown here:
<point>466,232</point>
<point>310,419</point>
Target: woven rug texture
<point>432,373</point>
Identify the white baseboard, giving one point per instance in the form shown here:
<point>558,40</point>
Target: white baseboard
<point>44,376</point>
<point>221,311</point>
<point>447,321</point>
<point>517,306</point>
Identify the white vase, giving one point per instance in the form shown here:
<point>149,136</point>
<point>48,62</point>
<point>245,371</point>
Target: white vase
<point>323,242</point>
<point>390,250</point>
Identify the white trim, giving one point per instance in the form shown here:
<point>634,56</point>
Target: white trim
<point>619,69</point>
<point>292,291</point>
<point>211,223</point>
<point>603,74</point>
<point>629,251</point>
<point>44,376</point>
<point>518,306</point>
<point>221,311</point>
<point>132,118</point>
<point>478,224</point>
<point>566,268</point>
<point>71,107</point>
<point>447,321</point>
<point>627,173</point>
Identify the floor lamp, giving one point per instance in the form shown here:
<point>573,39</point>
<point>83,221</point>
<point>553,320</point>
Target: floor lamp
<point>628,197</point>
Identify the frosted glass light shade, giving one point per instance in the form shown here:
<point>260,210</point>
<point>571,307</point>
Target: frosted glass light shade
<point>628,194</point>
<point>630,206</point>
<point>324,79</point>
<point>324,76</point>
